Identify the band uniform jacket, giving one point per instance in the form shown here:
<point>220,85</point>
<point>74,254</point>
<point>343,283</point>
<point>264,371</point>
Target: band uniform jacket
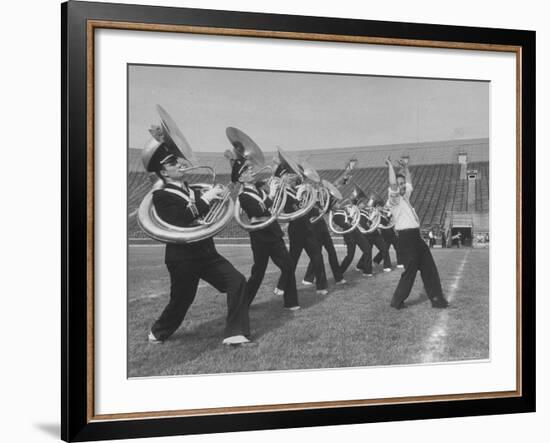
<point>320,226</point>
<point>256,204</point>
<point>385,220</point>
<point>302,224</point>
<point>342,219</point>
<point>182,207</point>
<point>365,222</point>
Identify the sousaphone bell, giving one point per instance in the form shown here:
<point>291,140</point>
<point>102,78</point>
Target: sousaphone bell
<point>287,165</point>
<point>245,148</point>
<point>220,212</point>
<point>322,195</point>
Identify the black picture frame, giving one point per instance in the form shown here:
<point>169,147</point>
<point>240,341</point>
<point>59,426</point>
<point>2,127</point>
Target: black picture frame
<point>77,418</point>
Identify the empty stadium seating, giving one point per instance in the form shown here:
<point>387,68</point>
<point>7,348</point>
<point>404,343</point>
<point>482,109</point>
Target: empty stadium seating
<point>437,189</point>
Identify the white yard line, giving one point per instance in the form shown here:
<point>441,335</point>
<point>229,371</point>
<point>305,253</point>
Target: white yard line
<point>438,337</point>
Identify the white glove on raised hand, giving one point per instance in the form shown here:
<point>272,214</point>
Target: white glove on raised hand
<point>213,194</point>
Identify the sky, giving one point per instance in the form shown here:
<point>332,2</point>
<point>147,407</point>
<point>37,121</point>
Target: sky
<point>299,111</point>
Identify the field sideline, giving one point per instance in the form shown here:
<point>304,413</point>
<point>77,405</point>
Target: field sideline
<point>352,326</point>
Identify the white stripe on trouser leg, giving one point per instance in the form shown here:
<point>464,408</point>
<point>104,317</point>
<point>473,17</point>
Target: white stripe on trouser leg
<point>437,339</point>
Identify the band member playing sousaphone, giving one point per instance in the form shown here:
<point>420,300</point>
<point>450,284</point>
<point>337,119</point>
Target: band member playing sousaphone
<point>178,204</point>
<point>261,208</point>
<point>300,231</point>
<point>321,231</point>
<point>388,232</point>
<point>345,217</point>
<point>369,211</point>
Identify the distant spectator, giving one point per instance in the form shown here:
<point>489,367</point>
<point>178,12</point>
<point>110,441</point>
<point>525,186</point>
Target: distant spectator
<point>456,239</point>
<point>431,238</point>
<point>443,239</point>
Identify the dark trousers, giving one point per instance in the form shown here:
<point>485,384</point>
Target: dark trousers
<point>184,280</point>
<point>301,239</point>
<point>352,240</point>
<point>325,240</point>
<point>276,250</point>
<point>416,256</point>
<point>375,239</point>
<point>390,238</point>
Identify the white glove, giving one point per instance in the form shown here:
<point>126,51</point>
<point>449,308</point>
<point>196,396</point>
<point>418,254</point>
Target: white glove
<point>213,194</point>
<point>273,186</point>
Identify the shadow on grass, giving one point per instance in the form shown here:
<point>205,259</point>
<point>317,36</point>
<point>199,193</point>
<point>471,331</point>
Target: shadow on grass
<point>197,337</point>
<point>269,315</point>
<point>265,316</point>
<point>422,298</point>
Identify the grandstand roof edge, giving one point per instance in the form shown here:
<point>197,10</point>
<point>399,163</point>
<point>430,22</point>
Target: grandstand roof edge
<point>393,146</point>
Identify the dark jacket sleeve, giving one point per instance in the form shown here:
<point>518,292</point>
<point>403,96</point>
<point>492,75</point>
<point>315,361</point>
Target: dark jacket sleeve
<point>201,205</point>
<point>339,220</point>
<point>175,210</point>
<point>252,207</point>
<point>268,202</point>
<point>314,212</point>
<point>292,204</point>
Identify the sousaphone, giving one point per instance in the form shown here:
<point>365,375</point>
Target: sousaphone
<point>309,177</point>
<point>386,218</point>
<point>221,210</point>
<point>353,214</point>
<point>245,148</point>
<point>322,195</point>
<point>340,205</point>
<point>346,207</point>
<point>370,217</point>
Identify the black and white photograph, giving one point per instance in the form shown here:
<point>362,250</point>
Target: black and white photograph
<point>282,221</point>
<point>243,221</point>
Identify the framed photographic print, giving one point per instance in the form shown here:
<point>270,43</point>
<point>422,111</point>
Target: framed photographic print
<point>276,221</point>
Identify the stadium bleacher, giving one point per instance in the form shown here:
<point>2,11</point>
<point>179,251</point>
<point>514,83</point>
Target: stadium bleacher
<point>434,168</point>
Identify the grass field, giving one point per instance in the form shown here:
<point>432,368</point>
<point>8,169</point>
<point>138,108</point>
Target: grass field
<point>351,326</point>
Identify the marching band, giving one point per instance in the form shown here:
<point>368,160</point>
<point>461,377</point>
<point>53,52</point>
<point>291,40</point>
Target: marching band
<point>187,216</point>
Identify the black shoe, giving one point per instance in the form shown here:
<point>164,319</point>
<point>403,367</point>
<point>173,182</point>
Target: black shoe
<point>401,305</point>
<point>440,303</point>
